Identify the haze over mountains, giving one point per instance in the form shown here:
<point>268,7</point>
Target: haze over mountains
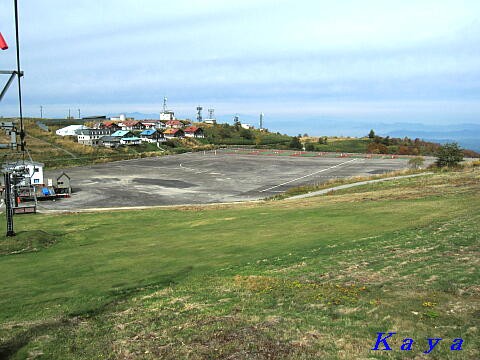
<point>466,135</point>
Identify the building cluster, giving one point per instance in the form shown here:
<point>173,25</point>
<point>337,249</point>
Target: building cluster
<point>121,131</point>
<point>30,184</point>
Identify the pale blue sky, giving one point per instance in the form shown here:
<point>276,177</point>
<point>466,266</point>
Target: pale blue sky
<point>384,60</point>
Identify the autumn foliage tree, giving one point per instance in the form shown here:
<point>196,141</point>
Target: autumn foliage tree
<point>377,148</point>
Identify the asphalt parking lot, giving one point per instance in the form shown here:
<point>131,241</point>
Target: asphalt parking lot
<point>202,178</point>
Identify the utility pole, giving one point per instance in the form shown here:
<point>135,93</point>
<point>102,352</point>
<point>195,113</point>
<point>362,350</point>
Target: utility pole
<point>79,114</point>
<point>41,112</point>
<point>69,115</point>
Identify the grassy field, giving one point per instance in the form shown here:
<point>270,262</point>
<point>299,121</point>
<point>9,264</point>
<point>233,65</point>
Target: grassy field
<point>344,145</point>
<point>310,279</point>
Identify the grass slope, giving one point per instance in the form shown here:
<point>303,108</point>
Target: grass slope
<point>306,279</point>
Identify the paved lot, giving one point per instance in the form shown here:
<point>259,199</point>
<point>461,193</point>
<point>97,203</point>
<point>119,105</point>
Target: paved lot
<point>200,178</point>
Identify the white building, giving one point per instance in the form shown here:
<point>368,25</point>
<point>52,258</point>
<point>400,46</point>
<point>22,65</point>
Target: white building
<point>70,130</point>
<point>121,117</point>
<point>167,115</point>
<point>33,170</point>
<point>153,124</point>
<point>247,126</point>
<point>130,140</point>
<point>92,137</point>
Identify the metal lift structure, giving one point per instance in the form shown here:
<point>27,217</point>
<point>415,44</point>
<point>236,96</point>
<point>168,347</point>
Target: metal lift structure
<point>16,175</point>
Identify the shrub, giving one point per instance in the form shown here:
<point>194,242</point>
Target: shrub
<point>295,143</point>
<point>416,162</point>
<point>449,154</point>
<point>309,146</point>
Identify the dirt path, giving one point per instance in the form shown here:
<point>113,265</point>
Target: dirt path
<point>347,186</point>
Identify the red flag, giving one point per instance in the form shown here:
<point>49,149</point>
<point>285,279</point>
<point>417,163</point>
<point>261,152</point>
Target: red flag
<point>3,44</point>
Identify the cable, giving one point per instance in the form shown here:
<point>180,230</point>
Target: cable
<point>19,75</point>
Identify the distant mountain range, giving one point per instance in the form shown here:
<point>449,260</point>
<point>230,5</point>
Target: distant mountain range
<point>466,135</point>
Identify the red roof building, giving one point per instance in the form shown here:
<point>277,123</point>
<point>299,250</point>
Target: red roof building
<point>132,125</point>
<point>173,133</point>
<point>176,124</point>
<point>193,131</point>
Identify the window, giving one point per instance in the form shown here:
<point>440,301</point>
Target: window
<point>36,181</point>
<point>35,169</point>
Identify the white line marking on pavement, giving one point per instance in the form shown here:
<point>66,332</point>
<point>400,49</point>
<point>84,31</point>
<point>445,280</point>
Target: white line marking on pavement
<point>303,177</point>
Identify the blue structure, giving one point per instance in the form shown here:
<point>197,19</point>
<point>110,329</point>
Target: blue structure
<point>149,132</point>
<point>121,133</point>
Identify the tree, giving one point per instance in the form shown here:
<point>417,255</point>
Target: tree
<point>246,134</point>
<point>376,148</point>
<point>371,134</point>
<point>309,146</point>
<point>416,162</point>
<point>295,143</point>
<point>449,154</point>
<point>224,132</point>
<point>323,140</point>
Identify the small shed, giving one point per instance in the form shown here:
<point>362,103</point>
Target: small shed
<point>63,185</point>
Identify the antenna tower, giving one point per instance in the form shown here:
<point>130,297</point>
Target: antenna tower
<point>199,114</point>
<point>211,113</point>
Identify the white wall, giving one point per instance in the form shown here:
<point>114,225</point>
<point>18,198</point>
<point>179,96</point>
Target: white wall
<point>69,130</point>
<point>37,176</point>
<point>167,116</point>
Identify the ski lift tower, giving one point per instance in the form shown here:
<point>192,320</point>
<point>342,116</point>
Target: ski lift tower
<point>12,175</point>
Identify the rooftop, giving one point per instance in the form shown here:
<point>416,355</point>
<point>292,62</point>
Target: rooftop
<point>120,133</point>
<point>148,132</point>
<point>192,129</point>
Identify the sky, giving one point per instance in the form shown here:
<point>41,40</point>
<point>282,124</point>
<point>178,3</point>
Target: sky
<point>305,64</point>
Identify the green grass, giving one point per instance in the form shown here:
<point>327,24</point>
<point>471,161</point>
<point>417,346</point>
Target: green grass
<point>348,146</point>
<point>306,279</point>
